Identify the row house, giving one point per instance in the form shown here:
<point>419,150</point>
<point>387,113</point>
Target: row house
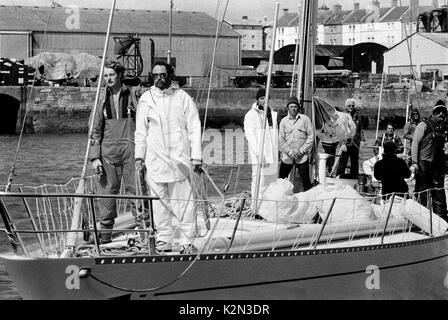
<point>287,29</point>
<point>333,26</point>
<point>251,32</point>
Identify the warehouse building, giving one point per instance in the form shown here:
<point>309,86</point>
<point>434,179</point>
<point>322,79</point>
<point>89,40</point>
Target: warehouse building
<point>429,53</point>
<point>73,30</point>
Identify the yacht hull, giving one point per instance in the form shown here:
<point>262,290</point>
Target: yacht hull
<point>406,270</point>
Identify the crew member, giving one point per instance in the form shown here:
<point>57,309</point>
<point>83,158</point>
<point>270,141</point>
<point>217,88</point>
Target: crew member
<point>428,159</point>
<point>168,143</point>
<point>253,130</point>
<point>389,135</point>
<point>296,141</point>
<point>112,145</point>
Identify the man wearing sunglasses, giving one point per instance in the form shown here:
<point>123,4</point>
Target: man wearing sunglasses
<point>168,144</point>
<point>428,159</point>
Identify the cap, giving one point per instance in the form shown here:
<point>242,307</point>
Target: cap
<point>292,100</point>
<point>260,93</point>
<point>439,104</point>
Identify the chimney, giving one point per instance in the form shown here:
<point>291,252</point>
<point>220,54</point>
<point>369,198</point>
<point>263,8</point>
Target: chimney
<point>337,8</point>
<point>244,18</point>
<point>394,3</point>
<point>356,6</point>
<point>415,3</point>
<point>285,10</point>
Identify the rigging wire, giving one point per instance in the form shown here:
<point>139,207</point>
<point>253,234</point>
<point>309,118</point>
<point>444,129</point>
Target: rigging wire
<point>202,84</point>
<point>218,31</point>
<point>22,129</point>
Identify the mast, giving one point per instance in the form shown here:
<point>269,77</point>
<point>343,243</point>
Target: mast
<point>265,113</point>
<point>168,60</point>
<point>305,87</point>
<point>76,220</point>
<point>294,66</point>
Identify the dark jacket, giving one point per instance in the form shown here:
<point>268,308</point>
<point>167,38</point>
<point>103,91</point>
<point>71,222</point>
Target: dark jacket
<point>394,138</point>
<point>428,143</point>
<point>359,135</point>
<point>392,171</point>
<point>112,137</point>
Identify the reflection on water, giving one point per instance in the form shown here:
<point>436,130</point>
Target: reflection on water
<point>56,158</point>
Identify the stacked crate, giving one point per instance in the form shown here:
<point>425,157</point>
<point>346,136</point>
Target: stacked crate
<point>14,73</point>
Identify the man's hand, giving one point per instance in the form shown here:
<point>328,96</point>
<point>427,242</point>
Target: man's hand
<point>414,168</point>
<point>197,165</point>
<point>297,155</point>
<point>344,148</point>
<point>139,165</point>
<point>97,166</point>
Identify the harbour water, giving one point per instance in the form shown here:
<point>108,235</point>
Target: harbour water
<point>55,159</point>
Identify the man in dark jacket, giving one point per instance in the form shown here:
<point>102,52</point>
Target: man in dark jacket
<point>112,144</point>
<point>428,159</point>
<point>392,171</point>
<point>389,135</point>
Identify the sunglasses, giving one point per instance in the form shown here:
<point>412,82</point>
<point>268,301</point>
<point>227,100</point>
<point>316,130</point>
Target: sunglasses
<point>159,75</point>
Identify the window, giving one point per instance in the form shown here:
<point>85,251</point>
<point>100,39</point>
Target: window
<point>253,36</point>
<point>279,43</point>
<point>354,28</point>
<point>244,36</point>
<point>244,45</point>
<point>253,46</point>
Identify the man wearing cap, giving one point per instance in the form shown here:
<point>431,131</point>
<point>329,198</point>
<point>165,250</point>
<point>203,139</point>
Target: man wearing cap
<point>253,131</point>
<point>427,153</point>
<point>296,141</point>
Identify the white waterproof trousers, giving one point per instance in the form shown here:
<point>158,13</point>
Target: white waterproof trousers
<point>174,214</point>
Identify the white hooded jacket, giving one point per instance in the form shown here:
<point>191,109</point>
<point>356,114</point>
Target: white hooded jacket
<point>253,125</point>
<point>168,133</point>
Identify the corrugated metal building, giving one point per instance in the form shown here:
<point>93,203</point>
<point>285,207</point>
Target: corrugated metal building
<point>22,31</point>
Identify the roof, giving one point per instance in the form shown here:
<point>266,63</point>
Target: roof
<point>93,20</point>
<point>415,12</point>
<point>438,37</point>
<point>258,54</point>
<point>395,14</point>
<point>325,50</point>
<point>288,19</point>
<point>336,17</point>
<point>383,11</point>
<point>355,16</point>
<point>246,22</point>
<point>441,38</point>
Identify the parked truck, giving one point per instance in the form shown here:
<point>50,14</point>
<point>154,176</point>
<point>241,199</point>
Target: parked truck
<point>282,77</point>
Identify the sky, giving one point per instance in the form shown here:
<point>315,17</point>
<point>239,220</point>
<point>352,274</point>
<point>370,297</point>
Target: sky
<point>254,9</point>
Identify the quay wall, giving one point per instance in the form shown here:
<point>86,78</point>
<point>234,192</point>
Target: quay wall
<point>67,109</point>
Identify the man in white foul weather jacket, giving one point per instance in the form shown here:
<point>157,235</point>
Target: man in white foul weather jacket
<point>168,143</point>
<point>253,130</point>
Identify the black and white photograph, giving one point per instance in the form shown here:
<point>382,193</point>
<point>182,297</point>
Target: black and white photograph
<point>224,155</point>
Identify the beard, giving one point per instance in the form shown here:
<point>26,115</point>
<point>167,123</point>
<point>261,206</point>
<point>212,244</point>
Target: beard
<point>162,84</point>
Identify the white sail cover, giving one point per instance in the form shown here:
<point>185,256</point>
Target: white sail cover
<point>60,66</point>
